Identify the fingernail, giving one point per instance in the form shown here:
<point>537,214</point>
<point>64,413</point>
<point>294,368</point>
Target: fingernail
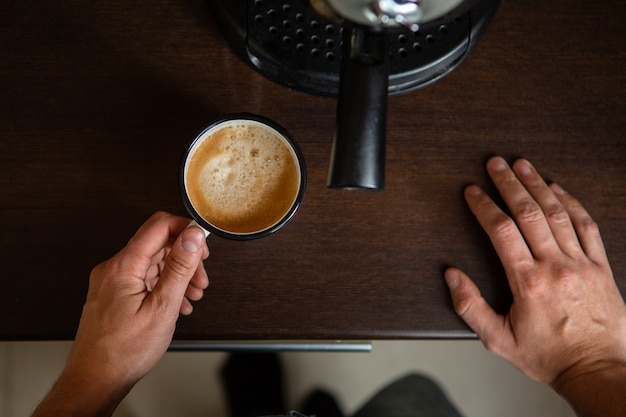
<point>498,164</point>
<point>192,239</point>
<point>523,167</point>
<point>557,189</point>
<point>452,278</point>
<point>473,190</point>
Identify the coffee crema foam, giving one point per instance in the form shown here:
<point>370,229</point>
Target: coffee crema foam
<point>243,178</point>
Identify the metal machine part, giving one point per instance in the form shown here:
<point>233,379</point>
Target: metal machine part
<point>390,13</point>
<point>360,51</point>
<point>292,44</point>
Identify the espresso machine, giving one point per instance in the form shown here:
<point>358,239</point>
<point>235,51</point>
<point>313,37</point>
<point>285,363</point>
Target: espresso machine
<point>360,51</point>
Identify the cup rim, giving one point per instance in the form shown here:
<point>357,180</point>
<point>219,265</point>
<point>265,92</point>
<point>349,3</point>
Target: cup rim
<point>280,130</point>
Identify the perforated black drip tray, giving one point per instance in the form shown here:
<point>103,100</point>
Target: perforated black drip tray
<point>292,45</point>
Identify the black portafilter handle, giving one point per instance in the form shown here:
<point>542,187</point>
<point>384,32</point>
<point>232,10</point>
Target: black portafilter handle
<point>358,155</point>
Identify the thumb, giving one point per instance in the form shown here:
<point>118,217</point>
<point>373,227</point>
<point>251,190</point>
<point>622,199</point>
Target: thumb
<point>180,266</point>
<point>474,310</point>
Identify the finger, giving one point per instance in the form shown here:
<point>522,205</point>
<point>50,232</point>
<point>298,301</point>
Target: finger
<point>155,234</point>
<point>586,228</point>
<point>186,307</point>
<point>527,213</point>
<point>180,266</point>
<point>194,293</point>
<point>154,270</point>
<point>474,310</point>
<point>502,231</point>
<point>195,290</point>
<point>150,242</point>
<point>555,213</point>
<point>200,279</point>
<point>151,283</point>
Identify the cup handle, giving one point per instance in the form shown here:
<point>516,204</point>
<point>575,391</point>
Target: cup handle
<point>195,223</point>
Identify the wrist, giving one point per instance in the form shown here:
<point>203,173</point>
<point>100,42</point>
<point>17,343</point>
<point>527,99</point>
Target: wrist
<point>83,394</point>
<point>596,389</point>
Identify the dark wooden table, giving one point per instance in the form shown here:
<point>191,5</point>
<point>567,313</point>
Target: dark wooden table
<point>98,100</point>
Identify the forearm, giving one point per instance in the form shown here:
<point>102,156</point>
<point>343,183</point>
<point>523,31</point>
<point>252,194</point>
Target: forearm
<point>81,395</point>
<point>599,393</point>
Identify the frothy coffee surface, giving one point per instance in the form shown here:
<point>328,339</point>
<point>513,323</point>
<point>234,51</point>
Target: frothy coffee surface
<point>242,178</point>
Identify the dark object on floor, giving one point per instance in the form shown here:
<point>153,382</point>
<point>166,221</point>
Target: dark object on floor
<point>321,404</point>
<point>411,396</point>
<point>254,384</point>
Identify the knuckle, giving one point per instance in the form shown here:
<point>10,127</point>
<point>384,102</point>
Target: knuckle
<point>562,274</point>
<point>158,217</point>
<point>589,226</point>
<point>557,214</point>
<point>573,204</point>
<point>160,214</point>
<point>533,283</point>
<point>483,202</point>
<point>465,299</point>
<point>529,212</point>
<point>98,270</point>
<point>503,227</point>
<point>462,305</point>
<point>569,279</point>
<point>510,180</point>
<point>540,284</point>
<point>180,266</point>
<point>111,268</point>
